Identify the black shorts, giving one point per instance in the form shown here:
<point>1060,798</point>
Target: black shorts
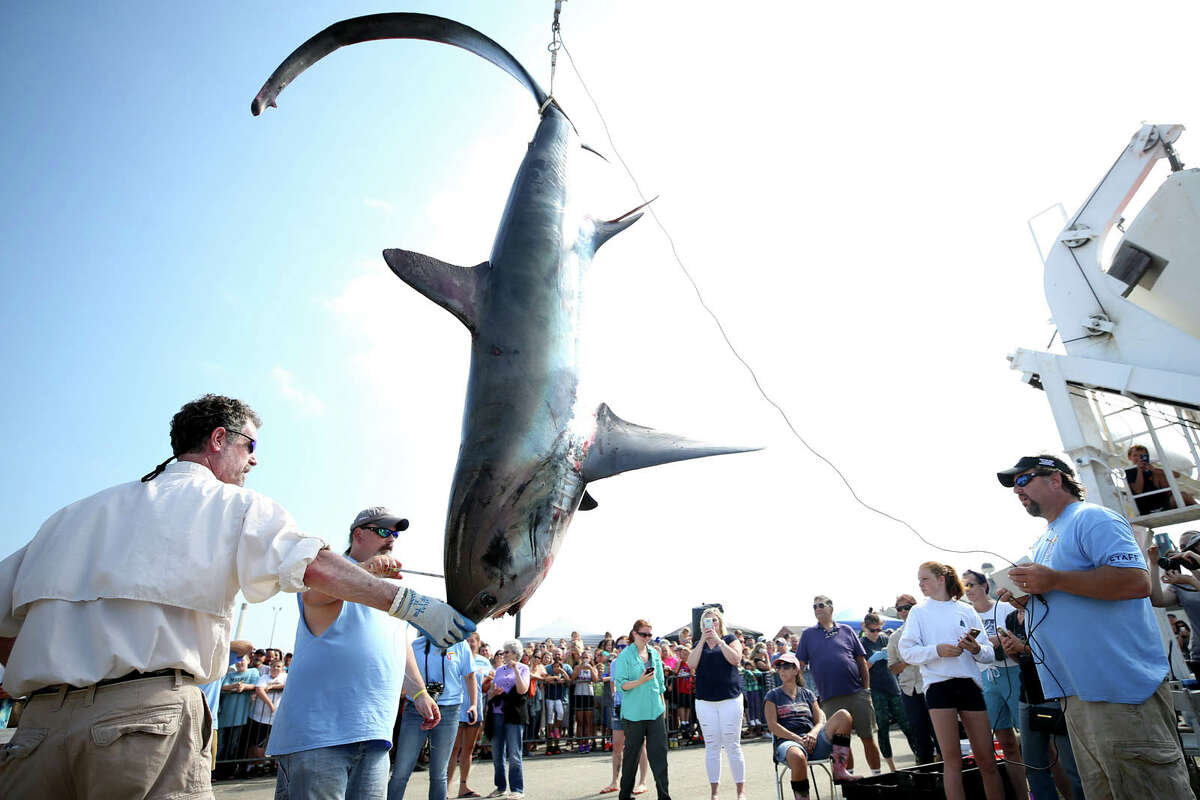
<point>584,702</point>
<point>684,701</point>
<point>257,733</point>
<point>962,694</point>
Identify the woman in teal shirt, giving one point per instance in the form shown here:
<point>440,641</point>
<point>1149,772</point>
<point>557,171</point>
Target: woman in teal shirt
<point>639,673</point>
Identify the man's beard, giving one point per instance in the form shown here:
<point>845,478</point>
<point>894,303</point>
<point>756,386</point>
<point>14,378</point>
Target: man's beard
<point>1034,509</point>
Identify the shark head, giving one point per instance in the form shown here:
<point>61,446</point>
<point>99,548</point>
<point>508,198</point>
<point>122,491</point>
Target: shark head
<point>504,530</point>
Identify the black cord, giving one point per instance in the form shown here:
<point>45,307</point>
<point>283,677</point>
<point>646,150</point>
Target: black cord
<point>729,343</point>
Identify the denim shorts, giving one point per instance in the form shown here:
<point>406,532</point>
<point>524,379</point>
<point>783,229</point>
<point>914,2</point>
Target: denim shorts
<point>820,751</point>
<point>1002,693</point>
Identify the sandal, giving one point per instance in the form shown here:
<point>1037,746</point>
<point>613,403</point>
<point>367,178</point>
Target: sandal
<point>608,789</point>
<point>469,793</point>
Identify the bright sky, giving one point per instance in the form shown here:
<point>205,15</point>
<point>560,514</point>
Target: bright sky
<point>848,185</point>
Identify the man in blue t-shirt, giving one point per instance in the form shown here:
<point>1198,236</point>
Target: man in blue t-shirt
<point>839,666</point>
<point>237,692</point>
<point>450,680</point>
<point>1092,630</point>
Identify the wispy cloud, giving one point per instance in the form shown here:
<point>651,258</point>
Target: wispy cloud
<point>307,404</point>
<point>379,205</point>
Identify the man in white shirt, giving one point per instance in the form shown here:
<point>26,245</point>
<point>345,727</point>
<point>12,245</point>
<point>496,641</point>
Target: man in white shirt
<point>111,637</point>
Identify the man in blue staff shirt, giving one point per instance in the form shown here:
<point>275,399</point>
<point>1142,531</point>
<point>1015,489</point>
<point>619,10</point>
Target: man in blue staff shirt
<point>449,675</point>
<point>1092,627</point>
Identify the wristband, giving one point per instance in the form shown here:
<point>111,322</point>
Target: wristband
<point>418,694</point>
<point>398,602</point>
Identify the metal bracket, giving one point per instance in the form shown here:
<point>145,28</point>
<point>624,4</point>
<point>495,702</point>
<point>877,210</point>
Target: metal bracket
<point>1076,236</point>
<point>1098,325</point>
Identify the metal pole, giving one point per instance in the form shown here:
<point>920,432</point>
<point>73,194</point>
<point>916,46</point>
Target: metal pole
<point>271,641</point>
<point>237,632</point>
<point>517,634</point>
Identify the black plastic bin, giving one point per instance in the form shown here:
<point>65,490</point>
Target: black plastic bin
<point>922,782</point>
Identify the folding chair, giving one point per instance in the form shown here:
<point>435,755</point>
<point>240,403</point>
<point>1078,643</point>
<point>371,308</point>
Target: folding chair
<point>783,771</point>
<point>1185,703</point>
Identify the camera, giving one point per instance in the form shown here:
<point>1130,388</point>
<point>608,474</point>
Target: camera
<point>1175,564</point>
<point>435,690</point>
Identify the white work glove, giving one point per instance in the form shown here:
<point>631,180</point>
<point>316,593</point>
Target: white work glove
<point>439,623</point>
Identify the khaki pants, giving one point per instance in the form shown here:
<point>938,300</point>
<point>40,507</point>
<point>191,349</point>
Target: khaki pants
<point>1128,751</point>
<point>858,705</point>
<point>144,738</point>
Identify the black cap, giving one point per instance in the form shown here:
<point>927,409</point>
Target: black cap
<point>1033,462</point>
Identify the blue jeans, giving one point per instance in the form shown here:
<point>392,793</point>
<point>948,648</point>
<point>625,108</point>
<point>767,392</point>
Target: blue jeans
<point>1035,749</point>
<point>358,770</point>
<point>408,747</point>
<point>507,741</point>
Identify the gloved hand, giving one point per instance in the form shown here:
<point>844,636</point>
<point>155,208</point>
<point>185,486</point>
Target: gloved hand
<point>435,619</point>
<point>878,656</point>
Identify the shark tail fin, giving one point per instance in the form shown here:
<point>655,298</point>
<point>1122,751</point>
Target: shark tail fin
<point>456,289</point>
<point>394,25</point>
<point>621,446</point>
<point>606,229</point>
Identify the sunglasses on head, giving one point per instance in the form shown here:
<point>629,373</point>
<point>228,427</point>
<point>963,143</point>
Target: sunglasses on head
<point>904,607</point>
<point>1023,480</point>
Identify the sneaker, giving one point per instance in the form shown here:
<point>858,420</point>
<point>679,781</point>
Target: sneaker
<point>517,796</point>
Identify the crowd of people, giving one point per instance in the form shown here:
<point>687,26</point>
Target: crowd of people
<point>1062,667</point>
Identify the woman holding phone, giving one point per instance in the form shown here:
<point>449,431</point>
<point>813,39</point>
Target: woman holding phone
<point>715,660</point>
<point>639,674</point>
<point>507,701</point>
<point>943,637</point>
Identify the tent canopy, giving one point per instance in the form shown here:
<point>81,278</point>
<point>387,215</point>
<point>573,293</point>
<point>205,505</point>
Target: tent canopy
<point>854,619</point>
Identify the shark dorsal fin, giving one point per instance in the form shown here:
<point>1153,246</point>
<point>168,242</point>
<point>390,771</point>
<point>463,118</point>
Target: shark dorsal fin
<point>621,446</point>
<point>456,289</point>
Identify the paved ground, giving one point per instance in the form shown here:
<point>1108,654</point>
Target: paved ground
<point>576,777</point>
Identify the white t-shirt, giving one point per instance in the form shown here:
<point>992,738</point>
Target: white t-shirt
<point>992,619</point>
<point>260,711</point>
<point>936,622</point>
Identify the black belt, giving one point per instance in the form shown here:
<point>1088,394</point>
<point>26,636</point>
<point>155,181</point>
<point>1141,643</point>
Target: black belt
<point>132,676</point>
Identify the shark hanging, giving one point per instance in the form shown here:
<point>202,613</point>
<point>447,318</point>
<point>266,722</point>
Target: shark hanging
<point>528,450</point>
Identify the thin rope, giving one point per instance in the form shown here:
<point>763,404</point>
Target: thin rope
<point>728,343</point>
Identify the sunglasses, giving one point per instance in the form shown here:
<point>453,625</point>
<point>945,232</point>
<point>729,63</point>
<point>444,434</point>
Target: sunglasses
<point>383,533</point>
<point>647,634</point>
<point>874,630</point>
<point>1023,480</point>
<point>819,605</point>
<point>253,442</point>
<point>905,607</point>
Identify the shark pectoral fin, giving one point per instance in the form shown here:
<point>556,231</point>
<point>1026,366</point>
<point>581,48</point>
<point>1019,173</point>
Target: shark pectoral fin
<point>606,229</point>
<point>587,502</point>
<point>456,289</point>
<point>621,446</point>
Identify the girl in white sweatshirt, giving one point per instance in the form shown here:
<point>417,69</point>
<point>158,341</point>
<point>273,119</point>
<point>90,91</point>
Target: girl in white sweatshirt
<point>941,637</point>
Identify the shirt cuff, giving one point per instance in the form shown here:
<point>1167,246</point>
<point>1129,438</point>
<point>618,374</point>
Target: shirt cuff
<point>291,571</point>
